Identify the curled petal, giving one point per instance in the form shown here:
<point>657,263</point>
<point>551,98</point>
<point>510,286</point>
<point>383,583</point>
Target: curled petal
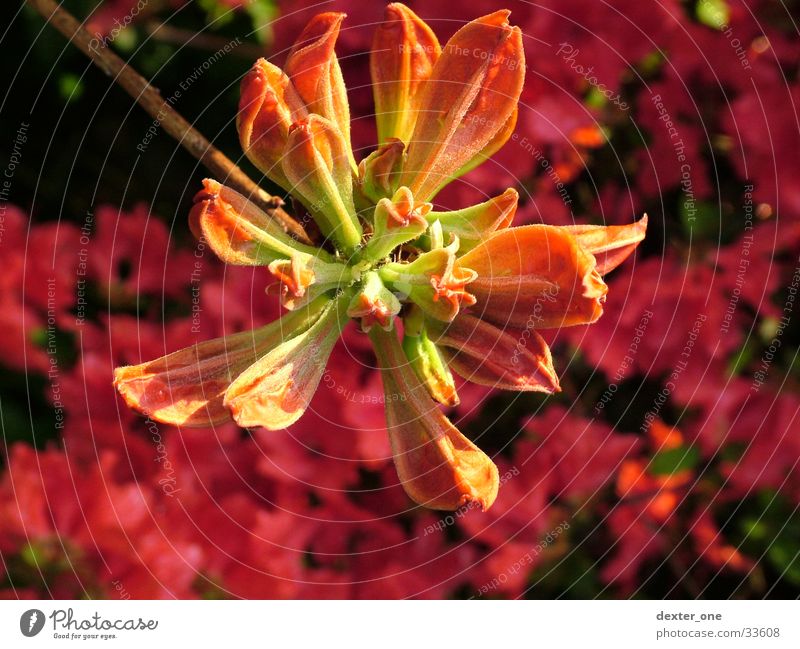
<point>379,172</point>
<point>303,278</point>
<point>537,277</point>
<point>433,281</point>
<point>438,467</point>
<point>396,221</point>
<point>404,50</point>
<point>294,276</point>
<point>373,312</point>
<point>374,304</point>
<point>450,289</point>
<point>469,99</point>
<point>511,359</point>
<point>314,70</point>
<point>403,209</point>
<point>474,224</point>
<point>186,388</point>
<point>275,391</point>
<point>238,231</point>
<point>315,162</point>
<point>268,106</point>
<point>612,244</point>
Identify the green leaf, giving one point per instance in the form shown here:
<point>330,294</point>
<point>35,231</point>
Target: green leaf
<point>262,13</point>
<point>70,86</point>
<point>218,13</point>
<point>675,460</point>
<point>699,218</point>
<point>739,363</point>
<point>127,40</point>
<point>713,13</point>
<point>595,98</point>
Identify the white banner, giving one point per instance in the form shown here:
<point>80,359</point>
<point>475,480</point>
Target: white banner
<point>398,624</point>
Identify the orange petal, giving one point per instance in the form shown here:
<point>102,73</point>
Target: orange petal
<point>275,391</point>
<point>451,289</point>
<point>438,467</point>
<point>186,387</point>
<point>404,50</point>
<point>471,95</point>
<point>268,105</point>
<point>536,277</point>
<point>590,137</point>
<point>314,70</point>
<point>374,304</point>
<point>514,359</point>
<point>488,150</point>
<point>433,281</point>
<point>238,231</point>
<point>663,437</point>
<point>610,244</point>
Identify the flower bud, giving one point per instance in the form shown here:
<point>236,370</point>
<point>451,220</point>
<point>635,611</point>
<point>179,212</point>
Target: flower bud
<point>374,304</point>
<point>472,93</point>
<point>433,281</point>
<point>379,172</point>
<point>314,70</point>
<point>268,106</point>
<point>315,162</point>
<point>610,244</point>
<point>438,467</point>
<point>186,388</point>
<point>510,359</point>
<point>488,150</point>
<point>404,50</point>
<point>303,278</point>
<point>239,232</point>
<point>275,391</point>
<point>537,277</point>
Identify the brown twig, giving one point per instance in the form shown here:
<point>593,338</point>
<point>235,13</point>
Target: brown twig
<point>150,99</point>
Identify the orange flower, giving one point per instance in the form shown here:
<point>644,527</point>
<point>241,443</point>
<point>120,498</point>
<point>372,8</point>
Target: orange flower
<point>314,70</point>
<point>404,51</point>
<point>471,291</point>
<point>469,99</point>
<point>452,287</point>
<point>438,466</point>
<point>662,493</point>
<point>511,359</point>
<point>316,163</point>
<point>268,106</point>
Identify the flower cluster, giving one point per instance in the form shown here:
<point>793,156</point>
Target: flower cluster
<point>669,465</point>
<point>463,283</point>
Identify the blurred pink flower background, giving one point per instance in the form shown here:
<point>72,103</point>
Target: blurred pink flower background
<point>641,478</point>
